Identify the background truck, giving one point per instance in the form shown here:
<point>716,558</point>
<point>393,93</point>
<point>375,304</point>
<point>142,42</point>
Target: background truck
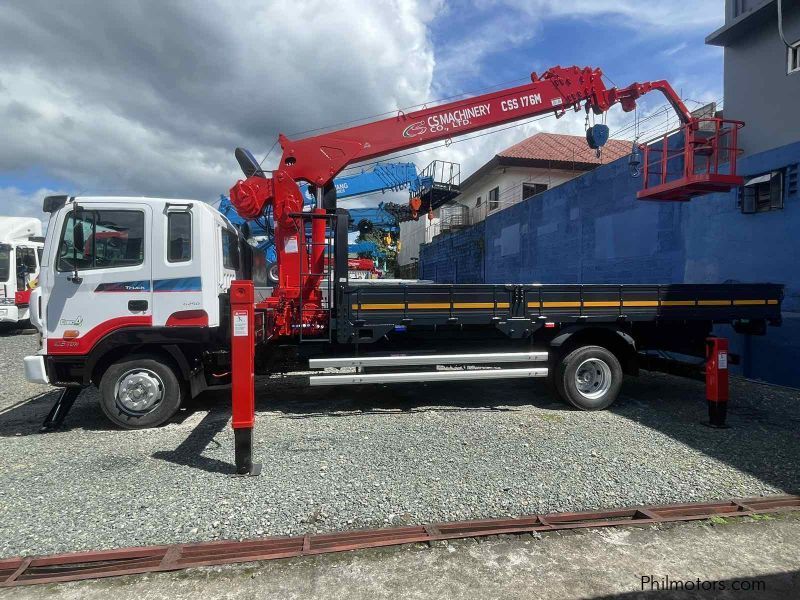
<point>157,320</point>
<point>20,256</point>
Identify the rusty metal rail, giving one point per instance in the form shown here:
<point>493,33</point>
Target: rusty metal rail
<point>129,561</point>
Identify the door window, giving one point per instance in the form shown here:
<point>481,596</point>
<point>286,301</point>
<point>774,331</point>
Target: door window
<point>101,239</point>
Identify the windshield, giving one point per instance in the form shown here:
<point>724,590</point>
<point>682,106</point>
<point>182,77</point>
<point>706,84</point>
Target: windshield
<point>5,262</point>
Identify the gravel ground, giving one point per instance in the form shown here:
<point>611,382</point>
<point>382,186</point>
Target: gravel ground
<point>374,456</point>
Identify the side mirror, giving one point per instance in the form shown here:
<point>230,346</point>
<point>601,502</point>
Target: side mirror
<point>79,241</point>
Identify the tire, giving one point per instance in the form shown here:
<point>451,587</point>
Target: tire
<point>272,273</point>
<point>131,407</point>
<point>589,378</point>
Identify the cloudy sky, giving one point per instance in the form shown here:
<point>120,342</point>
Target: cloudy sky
<point>150,97</point>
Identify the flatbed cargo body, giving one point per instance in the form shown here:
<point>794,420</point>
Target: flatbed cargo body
<point>531,306</point>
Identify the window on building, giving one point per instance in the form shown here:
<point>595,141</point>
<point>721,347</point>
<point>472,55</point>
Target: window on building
<point>531,189</point>
<point>179,236</point>
<point>494,198</point>
<point>230,250</point>
<point>478,202</point>
<point>762,193</point>
<point>101,239</point>
<point>793,58</point>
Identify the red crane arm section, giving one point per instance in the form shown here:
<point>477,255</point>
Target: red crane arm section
<point>320,158</point>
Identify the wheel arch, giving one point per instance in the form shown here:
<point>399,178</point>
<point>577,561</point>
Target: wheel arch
<point>101,360</point>
<point>614,338</point>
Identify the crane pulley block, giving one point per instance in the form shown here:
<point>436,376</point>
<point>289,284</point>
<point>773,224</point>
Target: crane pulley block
<point>597,136</point>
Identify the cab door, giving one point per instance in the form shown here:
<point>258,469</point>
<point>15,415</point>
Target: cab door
<point>101,276</point>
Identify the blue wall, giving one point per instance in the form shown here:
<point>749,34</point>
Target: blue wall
<point>593,230</point>
<point>455,257</point>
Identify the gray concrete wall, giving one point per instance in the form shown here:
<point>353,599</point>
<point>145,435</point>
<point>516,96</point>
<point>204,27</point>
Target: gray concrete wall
<point>757,89</point>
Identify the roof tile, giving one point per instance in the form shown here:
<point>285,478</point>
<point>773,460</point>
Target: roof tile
<point>565,148</point>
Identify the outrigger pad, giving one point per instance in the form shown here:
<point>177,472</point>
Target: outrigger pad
<point>243,450</point>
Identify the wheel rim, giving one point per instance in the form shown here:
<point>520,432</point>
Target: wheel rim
<point>593,378</point>
<point>139,391</point>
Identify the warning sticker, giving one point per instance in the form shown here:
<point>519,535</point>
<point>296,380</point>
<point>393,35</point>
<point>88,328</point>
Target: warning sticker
<point>290,247</point>
<point>722,360</point>
<point>240,327</point>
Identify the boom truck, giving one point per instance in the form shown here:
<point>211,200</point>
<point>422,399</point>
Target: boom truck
<point>20,255</point>
<point>174,309</point>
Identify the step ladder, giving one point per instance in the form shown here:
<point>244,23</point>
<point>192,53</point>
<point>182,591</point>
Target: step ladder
<point>474,367</point>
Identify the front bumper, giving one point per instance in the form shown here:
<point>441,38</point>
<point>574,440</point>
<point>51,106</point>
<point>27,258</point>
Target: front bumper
<point>9,313</point>
<point>35,371</point>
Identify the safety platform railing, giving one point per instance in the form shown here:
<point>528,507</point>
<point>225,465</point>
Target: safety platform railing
<point>695,159</point>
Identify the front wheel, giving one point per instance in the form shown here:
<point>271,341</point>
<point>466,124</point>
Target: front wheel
<point>589,378</point>
<point>140,392</point>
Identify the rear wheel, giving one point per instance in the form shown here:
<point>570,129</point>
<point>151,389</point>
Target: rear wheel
<point>589,378</point>
<point>140,392</point>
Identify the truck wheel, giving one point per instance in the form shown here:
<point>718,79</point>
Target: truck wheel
<point>589,378</point>
<point>140,392</point>
<point>272,273</point>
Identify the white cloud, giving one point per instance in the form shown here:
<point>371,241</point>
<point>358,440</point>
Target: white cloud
<point>16,203</point>
<point>151,98</point>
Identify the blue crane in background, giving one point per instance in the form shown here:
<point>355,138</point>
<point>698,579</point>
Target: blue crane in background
<point>382,178</point>
<point>438,182</point>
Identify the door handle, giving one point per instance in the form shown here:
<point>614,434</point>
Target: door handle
<point>137,305</point>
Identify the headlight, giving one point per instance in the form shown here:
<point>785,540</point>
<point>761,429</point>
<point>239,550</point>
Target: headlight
<point>6,301</point>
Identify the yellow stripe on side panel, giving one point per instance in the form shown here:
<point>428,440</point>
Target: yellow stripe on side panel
<point>561,304</point>
<point>379,306</point>
<point>600,304</point>
<point>564,304</point>
<point>473,305</point>
<point>640,303</point>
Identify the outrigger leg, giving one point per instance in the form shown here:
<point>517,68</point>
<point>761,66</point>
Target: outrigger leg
<point>60,409</point>
<point>242,376</point>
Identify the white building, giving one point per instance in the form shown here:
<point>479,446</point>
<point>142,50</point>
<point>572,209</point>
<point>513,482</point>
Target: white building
<point>525,169</point>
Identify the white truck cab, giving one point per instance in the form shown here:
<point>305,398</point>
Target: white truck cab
<point>20,258</point>
<point>133,298</point>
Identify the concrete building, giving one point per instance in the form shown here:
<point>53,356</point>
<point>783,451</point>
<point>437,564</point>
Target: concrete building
<point>592,229</point>
<point>530,167</point>
<point>762,74</point>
